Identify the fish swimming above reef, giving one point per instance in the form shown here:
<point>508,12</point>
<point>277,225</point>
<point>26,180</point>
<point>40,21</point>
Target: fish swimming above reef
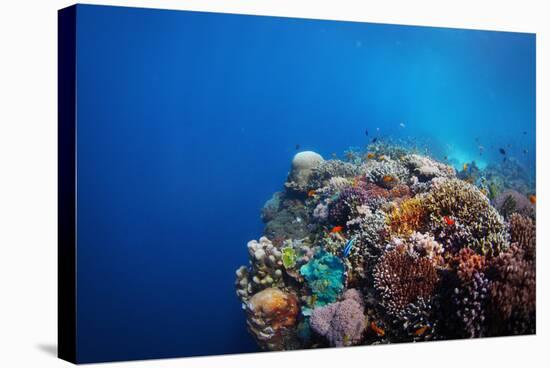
<point>402,125</point>
<point>465,167</point>
<point>337,229</point>
<point>367,132</point>
<point>348,246</point>
<point>374,140</point>
<point>297,147</point>
<point>388,179</point>
<point>502,151</point>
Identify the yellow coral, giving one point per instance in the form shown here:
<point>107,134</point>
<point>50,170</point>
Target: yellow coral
<point>408,217</point>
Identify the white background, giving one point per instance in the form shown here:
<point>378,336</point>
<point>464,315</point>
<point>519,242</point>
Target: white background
<point>28,197</point>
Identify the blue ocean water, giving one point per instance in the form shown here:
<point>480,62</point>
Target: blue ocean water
<point>187,123</point>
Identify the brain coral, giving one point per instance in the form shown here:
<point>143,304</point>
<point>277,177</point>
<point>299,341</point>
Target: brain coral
<point>461,215</point>
<point>302,166</point>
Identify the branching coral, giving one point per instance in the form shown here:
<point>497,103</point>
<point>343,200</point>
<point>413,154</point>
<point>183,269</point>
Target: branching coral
<point>420,245</point>
<point>408,217</point>
<point>461,216</point>
<point>341,323</point>
<point>401,279</point>
<point>326,170</point>
<point>385,172</point>
<point>523,233</point>
<point>348,205</point>
<point>471,295</point>
<point>513,288</point>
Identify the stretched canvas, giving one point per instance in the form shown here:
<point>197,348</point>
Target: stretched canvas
<point>234,183</point>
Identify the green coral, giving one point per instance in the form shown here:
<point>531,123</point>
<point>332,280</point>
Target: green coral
<point>289,257</point>
<point>324,275</point>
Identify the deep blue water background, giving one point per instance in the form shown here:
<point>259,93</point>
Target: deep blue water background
<point>187,123</point>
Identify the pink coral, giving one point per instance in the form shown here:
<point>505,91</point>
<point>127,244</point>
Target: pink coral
<point>342,323</point>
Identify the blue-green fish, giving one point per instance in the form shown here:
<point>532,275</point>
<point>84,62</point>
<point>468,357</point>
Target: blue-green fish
<point>348,246</point>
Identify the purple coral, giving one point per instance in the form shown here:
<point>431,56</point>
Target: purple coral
<point>342,323</point>
<point>345,206</point>
<point>511,201</point>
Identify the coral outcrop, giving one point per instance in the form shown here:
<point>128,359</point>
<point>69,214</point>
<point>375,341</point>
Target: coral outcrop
<point>387,246</point>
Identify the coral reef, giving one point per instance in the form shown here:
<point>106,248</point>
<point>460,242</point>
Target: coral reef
<point>271,318</point>
<point>511,201</point>
<point>324,275</point>
<point>426,169</point>
<point>461,216</point>
<point>391,245</point>
<point>303,164</point>
<point>341,323</point>
<point>402,279</point>
<point>408,217</point>
<point>513,290</point>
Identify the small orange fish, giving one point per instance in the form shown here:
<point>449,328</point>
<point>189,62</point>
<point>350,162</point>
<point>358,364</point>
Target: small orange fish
<point>371,155</point>
<point>379,331</point>
<point>421,331</point>
<point>449,221</point>
<point>336,229</point>
<point>533,198</point>
<point>465,167</point>
<point>382,157</point>
<point>388,178</point>
<point>311,193</point>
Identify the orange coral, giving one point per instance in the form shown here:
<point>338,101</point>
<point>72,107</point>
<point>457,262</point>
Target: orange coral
<point>276,307</point>
<point>467,262</point>
<point>409,217</point>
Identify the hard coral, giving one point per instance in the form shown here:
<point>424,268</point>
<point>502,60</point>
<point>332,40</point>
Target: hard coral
<point>348,205</point>
<point>271,317</point>
<point>302,165</point>
<point>513,287</point>
<point>408,217</point>
<point>401,279</point>
<point>461,216</point>
<point>523,233</point>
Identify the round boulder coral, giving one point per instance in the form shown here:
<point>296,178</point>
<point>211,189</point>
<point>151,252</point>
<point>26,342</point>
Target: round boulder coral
<point>302,166</point>
<point>271,317</point>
